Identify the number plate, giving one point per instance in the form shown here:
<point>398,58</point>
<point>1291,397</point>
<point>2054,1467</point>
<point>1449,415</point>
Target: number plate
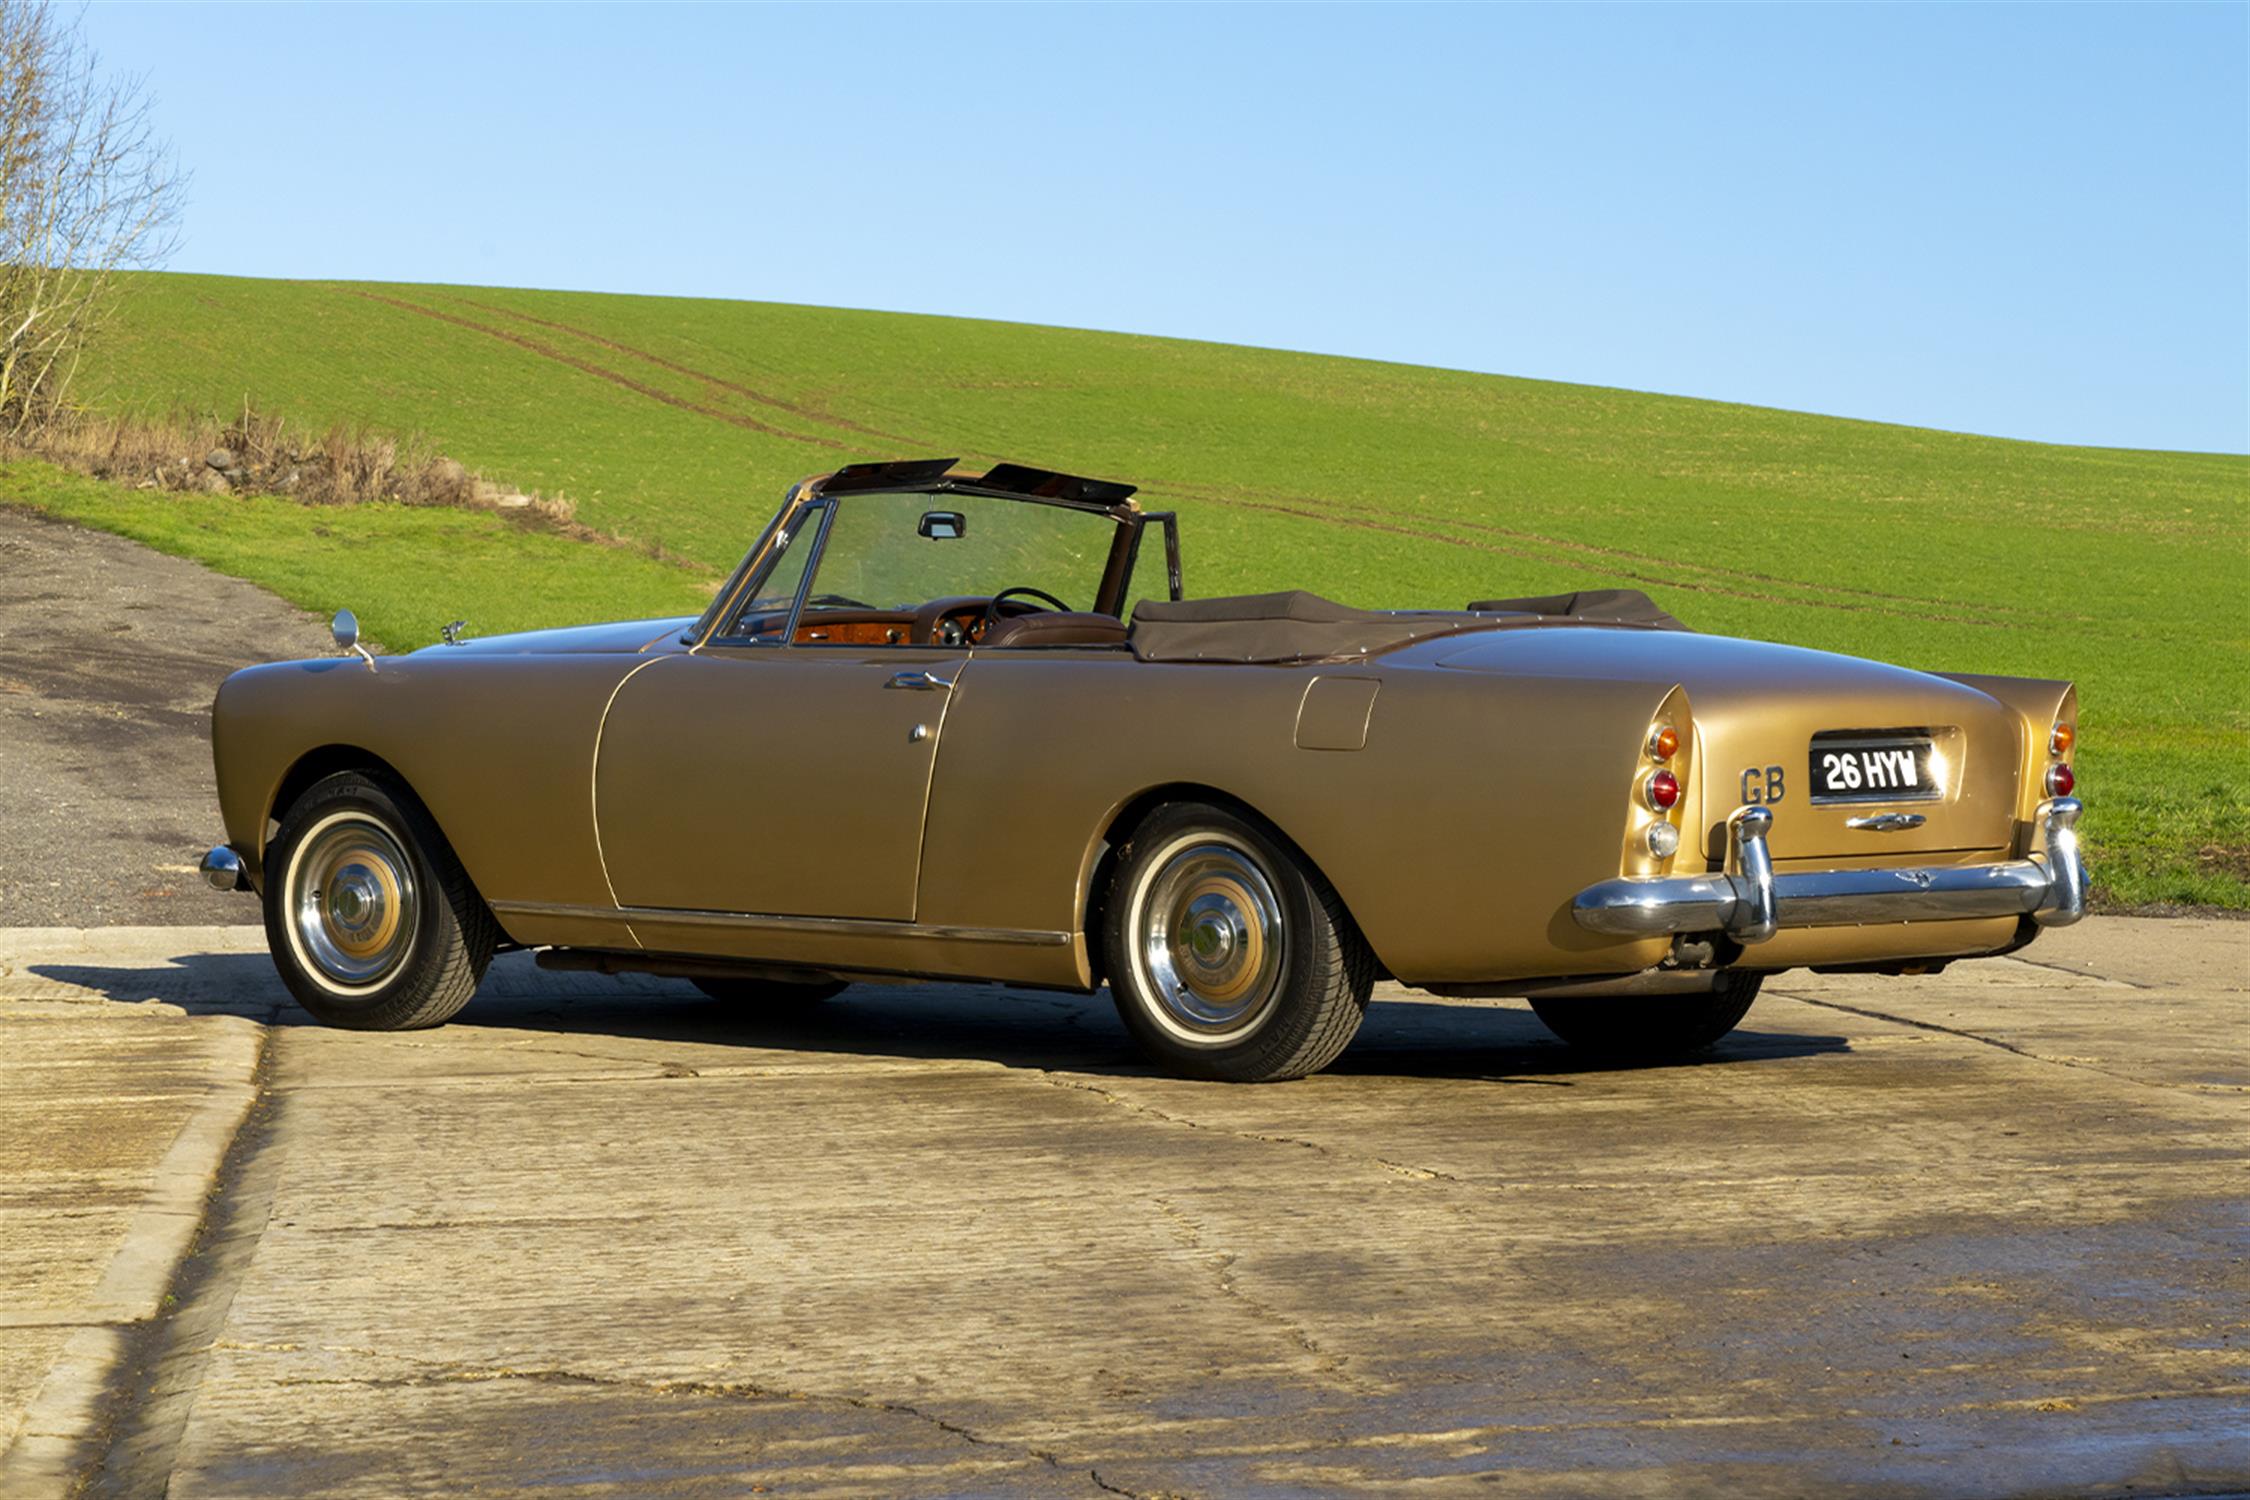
<point>1888,769</point>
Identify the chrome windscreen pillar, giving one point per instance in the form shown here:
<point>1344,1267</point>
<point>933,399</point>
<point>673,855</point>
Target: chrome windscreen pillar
<point>1754,918</point>
<point>2066,871</point>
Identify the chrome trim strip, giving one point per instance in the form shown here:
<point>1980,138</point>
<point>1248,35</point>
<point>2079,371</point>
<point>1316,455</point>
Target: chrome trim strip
<point>738,921</point>
<point>558,909</point>
<point>594,773</point>
<point>1750,903</point>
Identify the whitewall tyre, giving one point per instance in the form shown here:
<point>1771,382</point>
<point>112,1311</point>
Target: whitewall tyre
<point>372,921</point>
<point>1228,955</point>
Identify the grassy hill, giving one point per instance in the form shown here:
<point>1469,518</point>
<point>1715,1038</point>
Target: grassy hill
<point>678,422</point>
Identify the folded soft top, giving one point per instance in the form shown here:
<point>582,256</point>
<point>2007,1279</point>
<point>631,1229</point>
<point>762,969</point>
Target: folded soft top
<point>1291,626</point>
<point>1624,606</point>
<point>1297,626</point>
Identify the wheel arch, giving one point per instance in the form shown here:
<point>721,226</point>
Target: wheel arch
<point>1100,858</point>
<point>317,765</point>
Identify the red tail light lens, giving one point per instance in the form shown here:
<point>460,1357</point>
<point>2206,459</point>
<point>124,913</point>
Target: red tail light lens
<point>2060,781</point>
<point>1663,791</point>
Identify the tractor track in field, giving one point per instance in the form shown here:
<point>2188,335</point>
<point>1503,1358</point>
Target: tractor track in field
<point>601,372</point>
<point>716,382</point>
<point>1531,547</point>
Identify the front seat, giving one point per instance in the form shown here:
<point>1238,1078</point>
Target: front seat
<point>1054,628</point>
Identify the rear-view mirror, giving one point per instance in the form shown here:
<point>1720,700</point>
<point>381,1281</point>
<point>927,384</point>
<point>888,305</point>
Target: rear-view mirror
<point>943,525</point>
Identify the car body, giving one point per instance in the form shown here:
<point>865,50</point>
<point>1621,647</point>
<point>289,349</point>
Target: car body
<point>807,786</point>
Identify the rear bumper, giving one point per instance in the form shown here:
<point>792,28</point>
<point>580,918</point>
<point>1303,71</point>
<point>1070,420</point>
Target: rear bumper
<point>1750,903</point>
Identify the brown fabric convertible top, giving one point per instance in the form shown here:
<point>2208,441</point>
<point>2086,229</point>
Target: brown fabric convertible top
<point>1297,626</point>
<point>1292,626</point>
<point>1627,606</point>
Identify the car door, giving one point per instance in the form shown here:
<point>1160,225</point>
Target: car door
<point>782,780</point>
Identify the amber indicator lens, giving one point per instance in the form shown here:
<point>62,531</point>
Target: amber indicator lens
<point>1663,742</point>
<point>1663,790</point>
<point>2060,781</point>
<point>2066,735</point>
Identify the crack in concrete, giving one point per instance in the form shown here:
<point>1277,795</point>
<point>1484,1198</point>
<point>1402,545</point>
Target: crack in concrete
<point>2193,1090</point>
<point>440,1373</point>
<point>1404,1170</point>
<point>1222,1264</point>
<point>549,1221</point>
<point>663,1068</point>
<point>2055,968</point>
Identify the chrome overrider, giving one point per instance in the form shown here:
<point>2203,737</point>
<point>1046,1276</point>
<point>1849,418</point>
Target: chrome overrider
<point>223,869</point>
<point>1750,903</point>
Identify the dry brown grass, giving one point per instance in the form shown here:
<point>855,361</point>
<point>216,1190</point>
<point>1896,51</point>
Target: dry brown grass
<point>260,453</point>
<point>264,454</point>
<point>255,453</point>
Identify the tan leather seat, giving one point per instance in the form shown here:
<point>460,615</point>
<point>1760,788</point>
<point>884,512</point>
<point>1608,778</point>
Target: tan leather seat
<point>1053,628</point>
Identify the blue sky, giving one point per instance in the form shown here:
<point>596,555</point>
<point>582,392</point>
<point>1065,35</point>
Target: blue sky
<point>2019,220</point>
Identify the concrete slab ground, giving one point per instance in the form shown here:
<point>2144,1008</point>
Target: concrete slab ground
<point>1976,1234</point>
<point>114,1119</point>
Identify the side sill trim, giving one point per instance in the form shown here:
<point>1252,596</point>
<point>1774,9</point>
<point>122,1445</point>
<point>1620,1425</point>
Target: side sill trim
<point>737,921</point>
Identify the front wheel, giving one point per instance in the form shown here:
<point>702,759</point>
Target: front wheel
<point>1651,1028</point>
<point>1227,955</point>
<point>372,921</point>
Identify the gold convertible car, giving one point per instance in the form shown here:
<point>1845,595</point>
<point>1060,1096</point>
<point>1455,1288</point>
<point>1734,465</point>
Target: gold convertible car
<point>941,725</point>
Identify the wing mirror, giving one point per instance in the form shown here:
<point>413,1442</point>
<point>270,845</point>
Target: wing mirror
<point>345,629</point>
<point>943,525</point>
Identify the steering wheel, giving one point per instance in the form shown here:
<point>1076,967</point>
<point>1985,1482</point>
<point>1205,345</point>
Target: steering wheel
<point>992,606</point>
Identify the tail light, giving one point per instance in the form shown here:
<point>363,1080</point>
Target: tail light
<point>2060,778</point>
<point>1658,785</point>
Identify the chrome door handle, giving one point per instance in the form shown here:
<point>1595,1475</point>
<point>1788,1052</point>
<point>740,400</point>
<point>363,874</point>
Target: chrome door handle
<point>920,682</point>
<point>1887,822</point>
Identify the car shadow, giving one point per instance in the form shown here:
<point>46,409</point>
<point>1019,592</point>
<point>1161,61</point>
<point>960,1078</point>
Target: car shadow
<point>1405,1036</point>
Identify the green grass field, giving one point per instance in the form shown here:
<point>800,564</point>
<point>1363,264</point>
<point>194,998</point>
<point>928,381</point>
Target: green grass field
<point>679,422</point>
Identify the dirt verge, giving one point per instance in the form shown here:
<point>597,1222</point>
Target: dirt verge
<point>109,657</point>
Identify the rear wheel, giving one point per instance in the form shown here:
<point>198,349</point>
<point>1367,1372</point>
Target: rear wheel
<point>770,994</point>
<point>1650,1028</point>
<point>372,921</point>
<point>1228,957</point>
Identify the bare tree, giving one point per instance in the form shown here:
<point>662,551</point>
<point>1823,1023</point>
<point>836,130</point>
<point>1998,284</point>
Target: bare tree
<point>86,190</point>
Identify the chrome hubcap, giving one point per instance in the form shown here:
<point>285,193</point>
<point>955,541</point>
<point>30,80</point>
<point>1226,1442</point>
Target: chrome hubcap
<point>1210,940</point>
<point>352,900</point>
